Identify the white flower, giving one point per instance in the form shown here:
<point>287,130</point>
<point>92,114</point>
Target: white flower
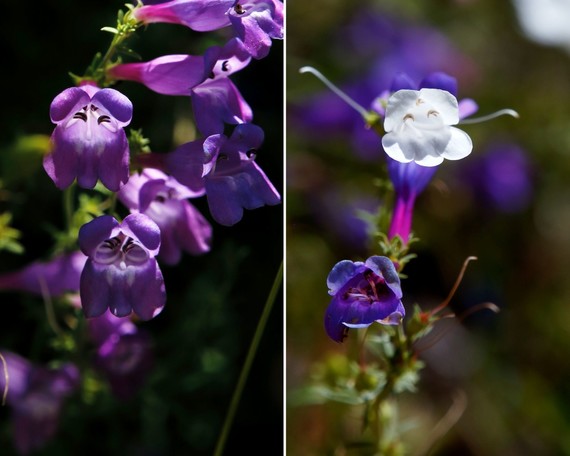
<point>418,127</point>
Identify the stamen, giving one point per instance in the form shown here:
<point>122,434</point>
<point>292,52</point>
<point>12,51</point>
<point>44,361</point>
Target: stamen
<point>239,9</point>
<point>432,112</point>
<point>80,115</point>
<point>103,118</point>
<point>494,115</point>
<point>444,304</point>
<point>226,65</point>
<point>408,117</point>
<point>353,104</point>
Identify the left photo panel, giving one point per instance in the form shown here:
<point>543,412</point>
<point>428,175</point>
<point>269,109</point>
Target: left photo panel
<point>141,227</point>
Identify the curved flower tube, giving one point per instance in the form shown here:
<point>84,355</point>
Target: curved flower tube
<point>55,277</point>
<point>121,273</point>
<point>363,293</point>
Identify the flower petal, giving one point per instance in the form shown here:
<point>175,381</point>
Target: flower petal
<point>118,105</point>
<point>459,146</point>
<point>143,229</point>
<point>67,102</point>
<point>341,273</point>
<point>96,231</point>
<point>94,290</point>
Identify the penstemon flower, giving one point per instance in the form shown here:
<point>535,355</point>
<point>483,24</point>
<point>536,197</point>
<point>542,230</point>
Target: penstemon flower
<point>121,274</point>
<point>418,126</point>
<point>226,168</point>
<point>164,200</point>
<point>88,141</point>
<point>363,293</point>
<point>254,22</point>
<point>178,74</point>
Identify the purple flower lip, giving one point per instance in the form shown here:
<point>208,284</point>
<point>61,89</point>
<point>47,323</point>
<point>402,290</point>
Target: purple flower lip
<point>363,293</point>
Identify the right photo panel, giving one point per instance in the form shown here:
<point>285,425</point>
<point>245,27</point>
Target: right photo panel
<point>427,228</point>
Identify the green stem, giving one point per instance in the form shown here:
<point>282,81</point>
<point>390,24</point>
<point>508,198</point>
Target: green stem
<point>248,362</point>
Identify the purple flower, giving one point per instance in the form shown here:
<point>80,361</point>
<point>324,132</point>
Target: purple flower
<point>121,273</point>
<point>36,396</point>
<point>54,277</point>
<point>218,102</point>
<point>124,353</point>
<point>362,294</point>
<point>178,74</point>
<point>89,142</point>
<point>409,180</point>
<point>254,22</point>
<point>164,200</point>
<point>226,168</point>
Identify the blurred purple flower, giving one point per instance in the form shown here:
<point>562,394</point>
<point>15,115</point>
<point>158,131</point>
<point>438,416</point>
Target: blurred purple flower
<point>254,22</point>
<point>54,277</point>
<point>502,177</point>
<point>121,274</point>
<point>89,142</point>
<point>36,397</point>
<point>226,168</point>
<point>363,293</point>
<point>345,215</point>
<point>124,353</point>
<point>164,200</point>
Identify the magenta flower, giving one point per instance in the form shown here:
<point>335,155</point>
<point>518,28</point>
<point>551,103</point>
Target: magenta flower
<point>121,273</point>
<point>36,396</point>
<point>226,168</point>
<point>178,74</point>
<point>124,353</point>
<point>164,200</point>
<point>88,141</point>
<point>254,22</point>
<point>54,277</point>
<point>363,293</point>
<point>409,180</point>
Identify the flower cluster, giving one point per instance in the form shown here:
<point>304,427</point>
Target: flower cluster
<point>107,267</point>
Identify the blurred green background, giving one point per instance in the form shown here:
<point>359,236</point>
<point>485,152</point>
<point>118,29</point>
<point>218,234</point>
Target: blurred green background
<point>214,301</point>
<point>509,370</point>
